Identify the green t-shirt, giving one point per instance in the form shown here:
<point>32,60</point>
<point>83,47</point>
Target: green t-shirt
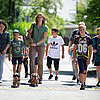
<point>39,33</point>
<point>97,55</point>
<point>17,48</point>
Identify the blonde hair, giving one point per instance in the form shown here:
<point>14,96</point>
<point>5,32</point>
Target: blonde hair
<point>82,26</point>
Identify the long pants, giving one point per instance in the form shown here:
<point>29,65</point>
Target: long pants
<point>1,64</point>
<point>25,62</point>
<point>32,53</point>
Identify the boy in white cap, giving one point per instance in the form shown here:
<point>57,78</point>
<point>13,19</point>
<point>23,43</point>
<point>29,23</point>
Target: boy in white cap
<point>17,49</point>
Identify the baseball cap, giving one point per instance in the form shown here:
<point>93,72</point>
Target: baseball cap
<point>15,31</point>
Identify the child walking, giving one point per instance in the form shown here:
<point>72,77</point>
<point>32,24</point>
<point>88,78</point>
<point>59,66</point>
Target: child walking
<point>17,49</point>
<point>53,52</point>
<point>83,47</point>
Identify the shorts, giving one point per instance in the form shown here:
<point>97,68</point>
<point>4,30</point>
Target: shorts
<point>56,62</point>
<point>14,60</point>
<point>82,65</point>
<point>36,61</point>
<point>96,63</point>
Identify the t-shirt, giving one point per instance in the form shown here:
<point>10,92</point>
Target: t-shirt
<point>17,48</point>
<point>4,40</point>
<point>97,55</point>
<point>55,43</point>
<point>39,33</point>
<point>82,46</point>
<point>76,33</point>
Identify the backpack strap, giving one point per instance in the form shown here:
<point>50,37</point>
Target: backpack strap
<point>33,31</point>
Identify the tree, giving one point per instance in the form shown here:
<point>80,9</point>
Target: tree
<point>80,11</point>
<point>93,11</point>
<point>7,9</point>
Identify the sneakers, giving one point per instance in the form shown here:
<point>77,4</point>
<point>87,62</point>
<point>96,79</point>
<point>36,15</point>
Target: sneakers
<point>82,87</point>
<point>78,81</point>
<point>26,75</point>
<point>85,85</point>
<point>29,81</point>
<point>98,84</point>
<point>56,78</point>
<point>74,77</point>
<point>40,81</point>
<point>50,77</point>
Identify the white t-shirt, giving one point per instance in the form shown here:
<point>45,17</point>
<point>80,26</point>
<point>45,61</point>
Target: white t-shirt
<point>55,43</point>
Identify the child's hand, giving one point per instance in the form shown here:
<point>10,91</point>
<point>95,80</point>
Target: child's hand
<point>75,62</point>
<point>23,58</point>
<point>4,52</point>
<point>88,61</point>
<point>63,56</point>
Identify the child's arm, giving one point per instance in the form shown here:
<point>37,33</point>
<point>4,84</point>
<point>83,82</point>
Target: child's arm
<point>23,52</point>
<point>27,52</point>
<point>10,53</point>
<point>74,53</point>
<point>90,53</point>
<point>62,51</point>
<point>47,48</point>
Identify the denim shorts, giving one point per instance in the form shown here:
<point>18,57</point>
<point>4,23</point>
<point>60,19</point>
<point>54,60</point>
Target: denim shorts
<point>15,59</point>
<point>82,65</point>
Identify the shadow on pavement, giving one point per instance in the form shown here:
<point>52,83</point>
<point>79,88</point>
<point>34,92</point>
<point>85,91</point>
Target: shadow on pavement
<point>91,73</point>
<point>60,72</point>
<point>69,84</point>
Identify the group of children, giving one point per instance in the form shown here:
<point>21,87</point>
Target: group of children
<point>82,51</point>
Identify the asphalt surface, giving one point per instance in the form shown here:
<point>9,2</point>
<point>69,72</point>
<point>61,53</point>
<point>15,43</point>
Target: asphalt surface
<point>65,88</point>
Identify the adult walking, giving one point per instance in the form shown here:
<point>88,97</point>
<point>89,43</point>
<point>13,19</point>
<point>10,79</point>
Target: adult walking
<point>40,30</point>
<point>96,50</point>
<point>4,45</point>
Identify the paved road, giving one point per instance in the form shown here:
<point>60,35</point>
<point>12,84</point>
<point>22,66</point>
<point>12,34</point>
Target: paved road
<point>63,89</point>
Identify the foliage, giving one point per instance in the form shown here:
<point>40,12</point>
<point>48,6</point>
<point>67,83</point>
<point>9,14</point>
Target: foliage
<point>48,8</point>
<point>80,11</point>
<point>7,9</point>
<point>93,11</point>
